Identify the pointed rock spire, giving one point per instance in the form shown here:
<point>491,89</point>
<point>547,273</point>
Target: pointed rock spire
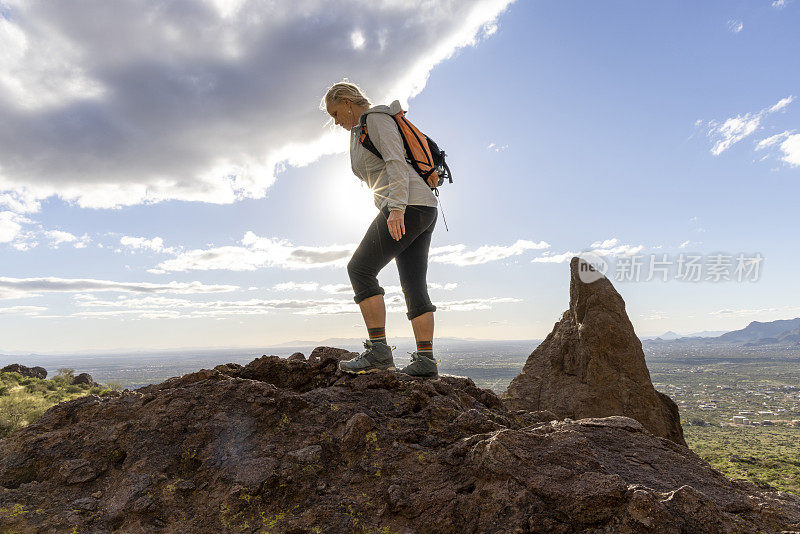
<point>592,363</point>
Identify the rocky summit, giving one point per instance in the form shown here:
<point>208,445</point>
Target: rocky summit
<point>293,445</point>
<point>592,363</point>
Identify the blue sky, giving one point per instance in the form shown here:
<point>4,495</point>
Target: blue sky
<point>178,187</point>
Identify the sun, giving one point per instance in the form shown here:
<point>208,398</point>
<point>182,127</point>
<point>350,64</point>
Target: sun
<point>353,199</point>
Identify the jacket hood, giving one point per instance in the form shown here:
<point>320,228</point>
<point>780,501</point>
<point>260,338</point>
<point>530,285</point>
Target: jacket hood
<point>392,109</point>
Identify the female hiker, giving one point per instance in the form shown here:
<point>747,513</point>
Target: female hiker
<point>401,231</point>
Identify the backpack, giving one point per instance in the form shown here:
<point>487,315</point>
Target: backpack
<point>422,153</point>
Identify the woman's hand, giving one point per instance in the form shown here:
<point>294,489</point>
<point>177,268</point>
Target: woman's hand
<point>396,222</point>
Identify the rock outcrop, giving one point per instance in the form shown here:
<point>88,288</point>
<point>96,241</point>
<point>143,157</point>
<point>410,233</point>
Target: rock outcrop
<point>30,372</point>
<point>592,363</point>
<point>296,446</point>
<point>84,378</point>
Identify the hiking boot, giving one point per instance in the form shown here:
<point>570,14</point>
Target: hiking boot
<point>377,357</point>
<point>421,366</point>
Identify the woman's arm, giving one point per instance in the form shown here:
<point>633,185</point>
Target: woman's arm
<point>385,135</point>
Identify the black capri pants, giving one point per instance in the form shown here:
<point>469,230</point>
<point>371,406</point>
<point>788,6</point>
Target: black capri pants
<point>410,253</point>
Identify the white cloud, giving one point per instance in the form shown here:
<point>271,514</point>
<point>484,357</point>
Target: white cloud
<point>9,226</point>
<point>295,286</point>
<point>57,237</point>
<point>155,244</point>
<point>791,150</point>
<point>459,255</point>
<point>11,229</point>
<point>259,252</point>
<point>19,201</point>
<point>163,307</point>
<point>607,247</point>
<point>779,3</point>
<point>120,103</point>
<point>357,39</point>
<point>22,310</point>
<point>621,250</point>
<point>789,144</point>
<point>773,140</point>
<point>735,129</point>
<point>25,245</point>
<point>782,103</point>
<point>444,287</point>
<point>497,148</point>
<point>335,289</point>
<point>653,315</point>
<point>549,257</point>
<point>735,26</point>
<point>474,304</point>
<point>608,243</point>
<point>32,287</point>
<point>760,313</point>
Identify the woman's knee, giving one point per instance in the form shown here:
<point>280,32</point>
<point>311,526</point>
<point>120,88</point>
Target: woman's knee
<point>419,310</point>
<point>363,278</point>
<point>356,269</point>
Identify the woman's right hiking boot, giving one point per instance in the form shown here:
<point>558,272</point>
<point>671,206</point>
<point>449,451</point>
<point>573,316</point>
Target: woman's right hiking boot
<point>422,366</point>
<point>377,357</point>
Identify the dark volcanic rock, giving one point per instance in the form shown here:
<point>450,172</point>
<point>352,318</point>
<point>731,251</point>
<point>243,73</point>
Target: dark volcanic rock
<point>31,372</point>
<point>592,364</point>
<point>84,378</point>
<point>296,446</point>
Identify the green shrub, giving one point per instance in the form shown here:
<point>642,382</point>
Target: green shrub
<point>61,381</point>
<point>36,387</point>
<point>65,376</point>
<point>73,389</point>
<point>11,377</point>
<point>17,411</point>
<point>66,371</point>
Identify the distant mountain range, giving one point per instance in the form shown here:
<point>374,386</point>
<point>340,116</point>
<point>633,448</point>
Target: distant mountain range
<point>670,335</point>
<point>780,333</point>
<point>784,332</point>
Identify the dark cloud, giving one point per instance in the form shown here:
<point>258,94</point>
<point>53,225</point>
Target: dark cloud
<point>131,101</point>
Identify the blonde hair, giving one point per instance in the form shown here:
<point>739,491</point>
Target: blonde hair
<point>339,92</point>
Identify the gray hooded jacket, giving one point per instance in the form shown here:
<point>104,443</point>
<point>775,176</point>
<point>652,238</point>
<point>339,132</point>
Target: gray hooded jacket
<point>393,181</point>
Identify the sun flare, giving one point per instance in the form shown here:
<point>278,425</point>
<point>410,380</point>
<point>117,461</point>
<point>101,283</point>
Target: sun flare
<point>353,199</point>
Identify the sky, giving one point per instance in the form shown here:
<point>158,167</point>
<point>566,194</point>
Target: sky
<point>168,179</point>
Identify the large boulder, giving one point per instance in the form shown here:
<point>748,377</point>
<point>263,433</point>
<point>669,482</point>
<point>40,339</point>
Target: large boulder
<point>84,378</point>
<point>592,363</point>
<point>30,372</point>
<point>297,446</point>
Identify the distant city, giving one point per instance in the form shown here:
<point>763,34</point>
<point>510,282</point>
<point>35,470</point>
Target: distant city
<point>490,363</point>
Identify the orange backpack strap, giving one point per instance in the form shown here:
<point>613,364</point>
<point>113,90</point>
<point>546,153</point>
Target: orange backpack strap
<point>422,153</point>
<point>365,140</point>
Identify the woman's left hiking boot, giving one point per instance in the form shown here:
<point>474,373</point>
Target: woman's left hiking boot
<point>377,357</point>
<point>422,366</point>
